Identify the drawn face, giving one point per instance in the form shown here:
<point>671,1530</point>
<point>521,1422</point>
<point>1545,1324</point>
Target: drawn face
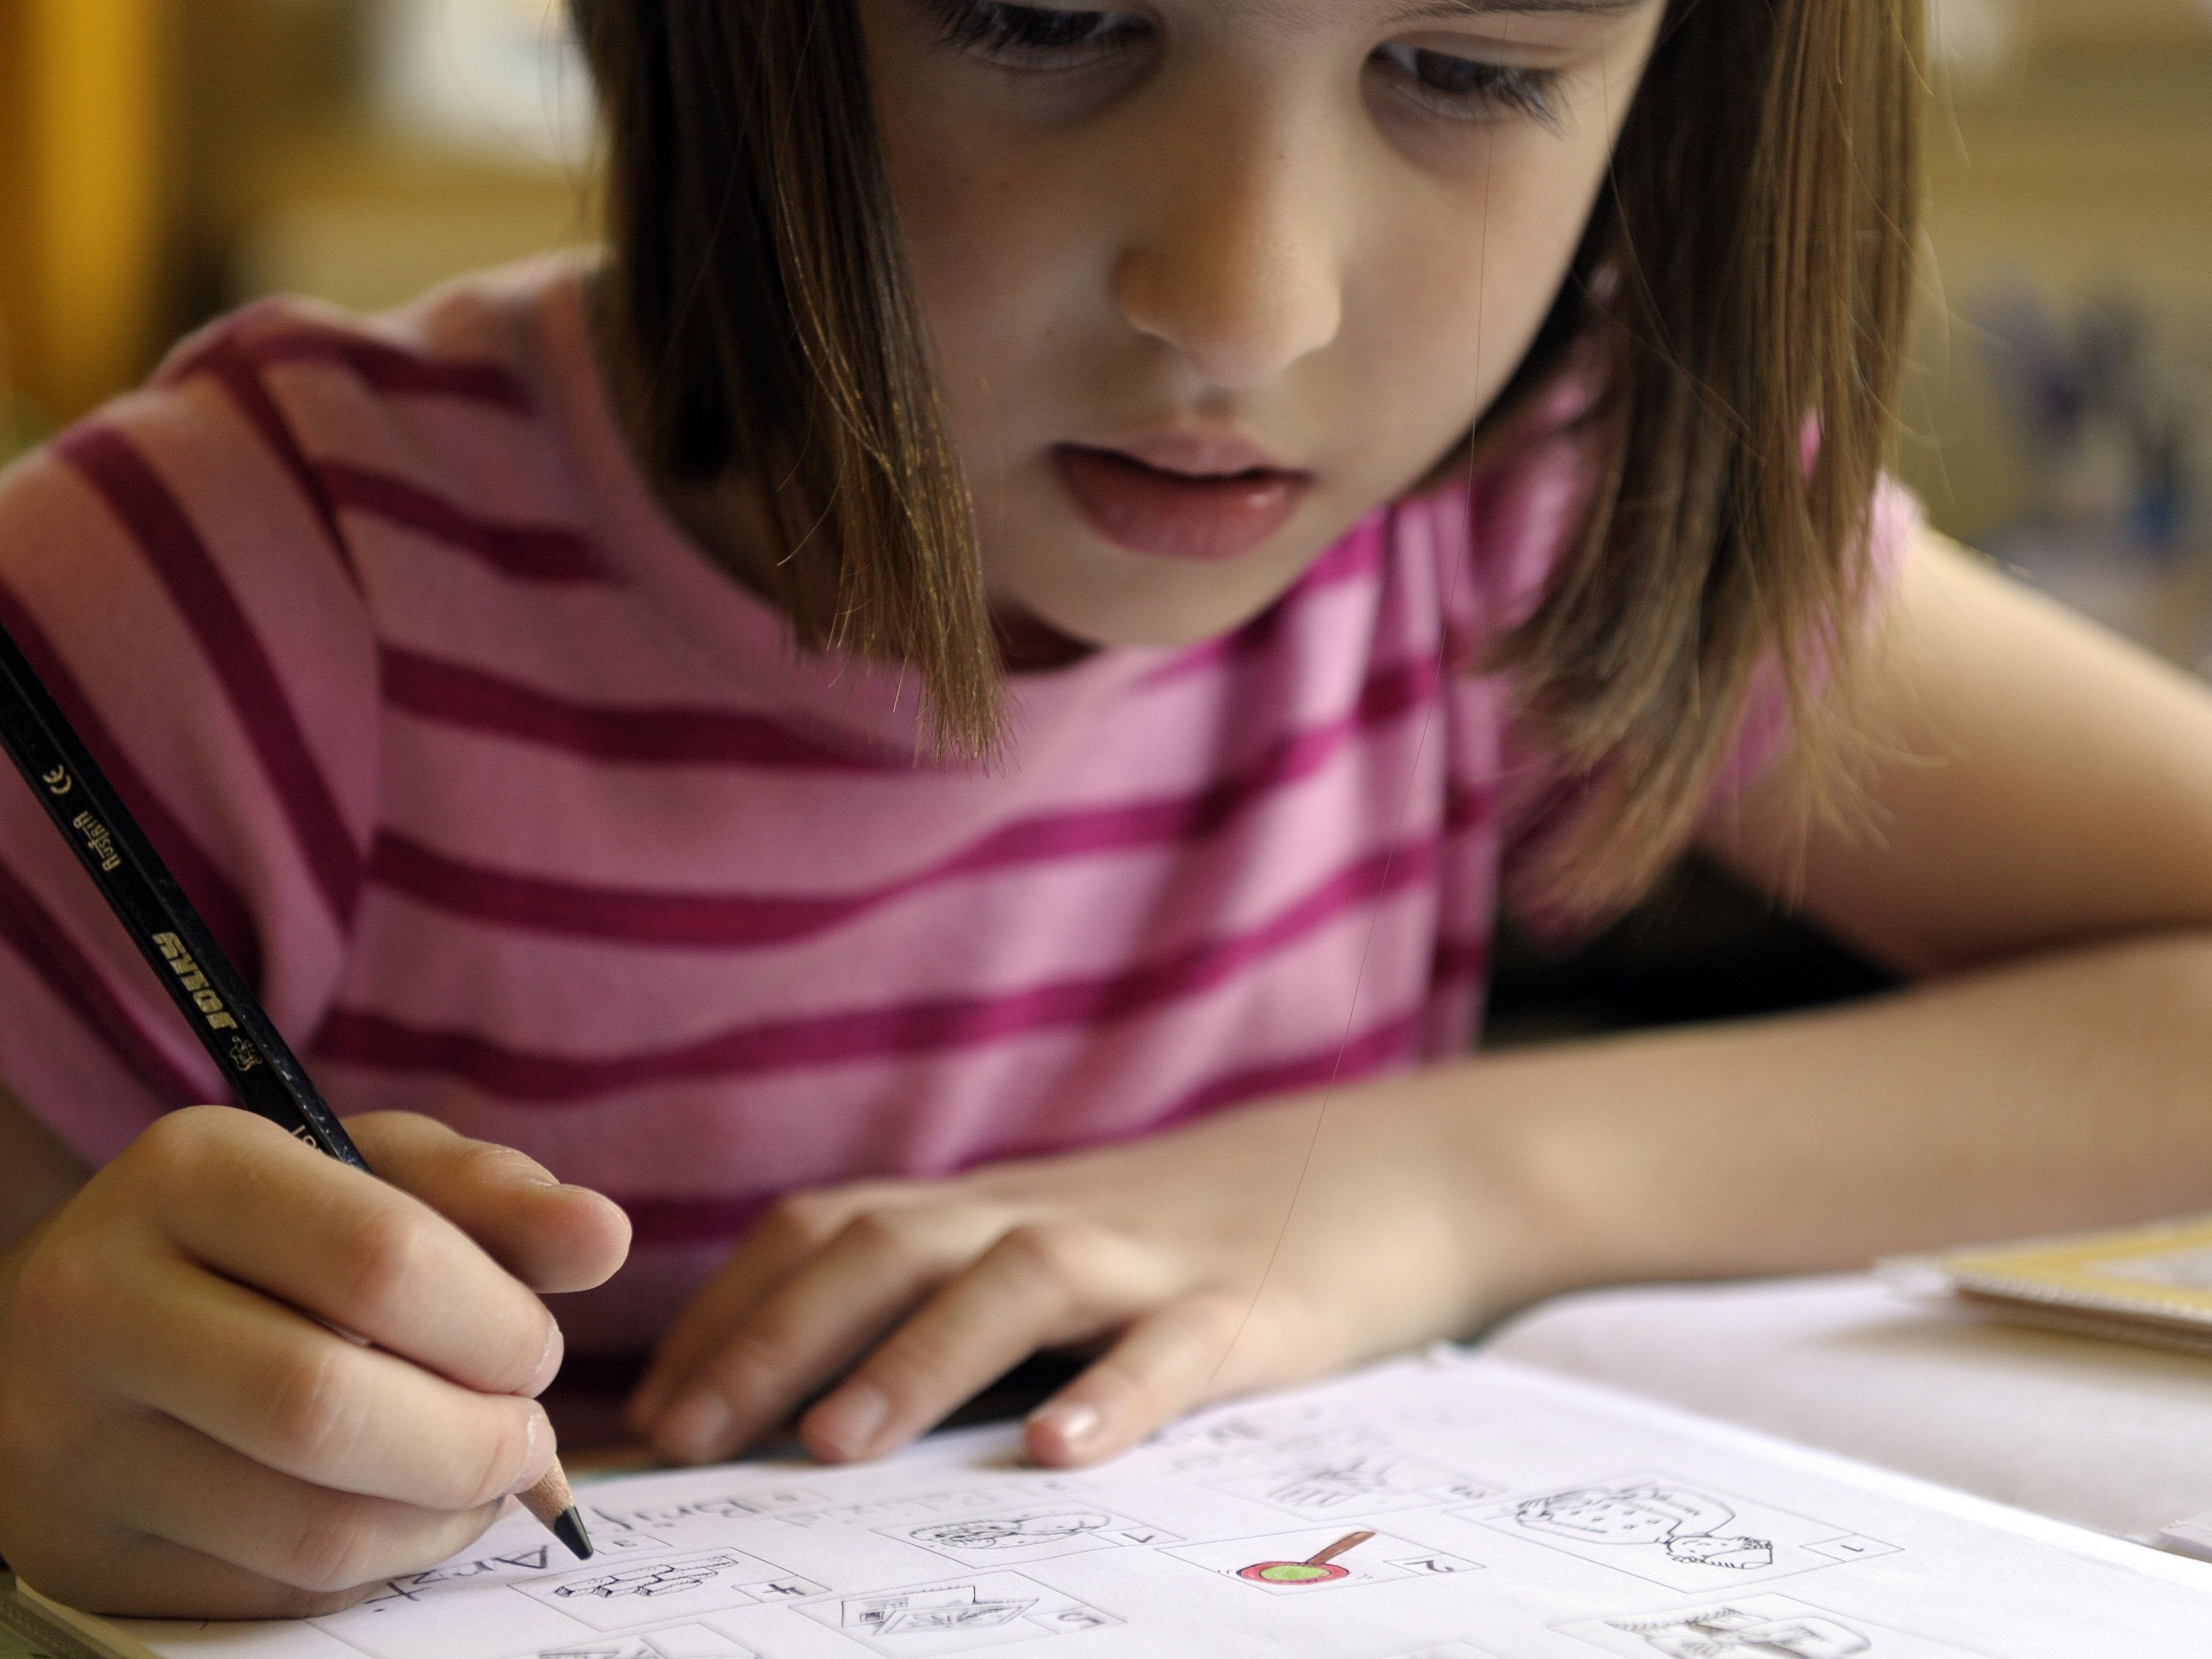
<point>1322,229</point>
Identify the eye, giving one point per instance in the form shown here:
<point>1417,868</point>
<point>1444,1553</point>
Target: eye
<point>1466,88</point>
<point>1036,37</point>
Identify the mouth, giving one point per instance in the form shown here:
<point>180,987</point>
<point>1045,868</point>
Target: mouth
<point>1181,496</point>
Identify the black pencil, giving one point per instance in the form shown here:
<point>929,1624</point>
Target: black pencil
<point>223,1013</point>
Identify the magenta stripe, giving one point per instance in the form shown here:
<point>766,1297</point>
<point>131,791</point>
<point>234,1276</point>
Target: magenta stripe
<point>454,694</point>
<point>667,1223</point>
<point>538,553</point>
<point>173,549</point>
<point>231,369</point>
<point>1393,1042</point>
<point>386,367</point>
<point>738,921</point>
<point>204,881</point>
<point>48,951</point>
<point>377,364</point>
<point>1470,805</point>
<point>357,1037</point>
<point>1458,960</point>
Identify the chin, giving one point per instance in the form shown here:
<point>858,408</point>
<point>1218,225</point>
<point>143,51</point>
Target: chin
<point>1130,600</point>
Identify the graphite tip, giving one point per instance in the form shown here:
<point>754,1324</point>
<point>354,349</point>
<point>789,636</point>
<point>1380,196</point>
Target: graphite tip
<point>569,1528</point>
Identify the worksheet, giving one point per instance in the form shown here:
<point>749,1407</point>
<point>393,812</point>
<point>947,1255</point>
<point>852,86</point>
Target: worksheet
<point>1444,1507</point>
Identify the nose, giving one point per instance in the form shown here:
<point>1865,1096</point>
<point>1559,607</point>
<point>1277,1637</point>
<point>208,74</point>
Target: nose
<point>1240,268</point>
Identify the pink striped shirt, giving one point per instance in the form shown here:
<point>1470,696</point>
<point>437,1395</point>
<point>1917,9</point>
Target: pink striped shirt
<point>523,815</point>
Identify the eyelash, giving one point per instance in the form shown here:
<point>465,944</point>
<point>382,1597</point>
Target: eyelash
<point>1047,38</point>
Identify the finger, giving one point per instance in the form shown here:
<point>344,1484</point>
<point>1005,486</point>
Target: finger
<point>790,1233</point>
<point>139,1576</point>
<point>275,1387</point>
<point>809,1327</point>
<point>1165,1365</point>
<point>550,1235</point>
<point>1038,1287</point>
<point>195,1493</point>
<point>245,1200</point>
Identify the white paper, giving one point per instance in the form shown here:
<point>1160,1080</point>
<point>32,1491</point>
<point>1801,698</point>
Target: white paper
<point>1508,1514</point>
<point>2104,1434</point>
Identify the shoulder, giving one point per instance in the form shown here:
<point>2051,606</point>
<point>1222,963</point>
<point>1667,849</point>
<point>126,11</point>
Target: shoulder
<point>191,565</point>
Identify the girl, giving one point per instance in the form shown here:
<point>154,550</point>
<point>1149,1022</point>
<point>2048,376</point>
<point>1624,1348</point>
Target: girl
<point>947,725</point>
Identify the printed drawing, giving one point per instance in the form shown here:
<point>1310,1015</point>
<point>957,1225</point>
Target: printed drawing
<point>702,1582</point>
<point>954,1617</point>
<point>1029,1534</point>
<point>1319,1568</point>
<point>689,1641</point>
<point>1755,1627</point>
<point>1356,1483</point>
<point>1674,1532</point>
<point>1300,1563</point>
<point>1688,1525</point>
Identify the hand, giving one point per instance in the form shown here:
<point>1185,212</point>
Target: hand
<point>1260,1248</point>
<point>180,1435</point>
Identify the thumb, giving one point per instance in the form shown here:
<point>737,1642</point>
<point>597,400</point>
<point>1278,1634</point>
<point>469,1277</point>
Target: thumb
<point>550,1237</point>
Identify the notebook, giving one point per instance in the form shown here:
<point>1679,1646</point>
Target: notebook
<point>2149,1284</point>
<point>1449,1506</point>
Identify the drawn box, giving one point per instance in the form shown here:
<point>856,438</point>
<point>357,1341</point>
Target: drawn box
<point>1755,1627</point>
<point>956,1615</point>
<point>1009,1536</point>
<point>1684,1535</point>
<point>638,1592</point>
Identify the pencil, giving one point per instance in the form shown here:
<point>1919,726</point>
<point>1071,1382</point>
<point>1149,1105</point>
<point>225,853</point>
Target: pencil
<point>223,1013</point>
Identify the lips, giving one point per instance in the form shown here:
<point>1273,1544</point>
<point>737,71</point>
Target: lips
<point>1180,497</point>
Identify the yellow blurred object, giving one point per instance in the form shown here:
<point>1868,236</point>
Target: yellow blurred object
<point>82,129</point>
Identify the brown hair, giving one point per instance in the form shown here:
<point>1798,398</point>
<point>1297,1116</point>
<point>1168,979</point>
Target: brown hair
<point>1743,284</point>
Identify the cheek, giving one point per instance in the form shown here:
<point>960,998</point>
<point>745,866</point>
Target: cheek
<point>993,250</point>
<point>1452,299</point>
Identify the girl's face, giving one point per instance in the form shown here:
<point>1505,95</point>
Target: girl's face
<point>1209,279</point>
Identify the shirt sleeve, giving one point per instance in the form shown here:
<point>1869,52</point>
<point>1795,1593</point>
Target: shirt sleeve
<point>170,574</point>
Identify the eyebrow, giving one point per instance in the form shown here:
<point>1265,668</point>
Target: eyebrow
<point>1431,9</point>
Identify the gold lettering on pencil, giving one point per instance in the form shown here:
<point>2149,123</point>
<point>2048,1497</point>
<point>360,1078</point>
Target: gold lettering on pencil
<point>97,838</point>
<point>56,782</point>
<point>189,975</point>
<point>243,1056</point>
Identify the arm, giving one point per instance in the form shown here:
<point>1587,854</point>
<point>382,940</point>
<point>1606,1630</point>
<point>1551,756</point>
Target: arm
<point>2039,798</point>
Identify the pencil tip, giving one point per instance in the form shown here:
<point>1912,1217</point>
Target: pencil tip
<point>569,1528</point>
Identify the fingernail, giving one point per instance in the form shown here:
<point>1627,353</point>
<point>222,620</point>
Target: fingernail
<point>695,1427</point>
<point>1070,1424</point>
<point>537,1452</point>
<point>847,1422</point>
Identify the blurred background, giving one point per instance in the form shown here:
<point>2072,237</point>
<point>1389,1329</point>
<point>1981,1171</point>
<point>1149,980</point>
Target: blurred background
<point>161,161</point>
